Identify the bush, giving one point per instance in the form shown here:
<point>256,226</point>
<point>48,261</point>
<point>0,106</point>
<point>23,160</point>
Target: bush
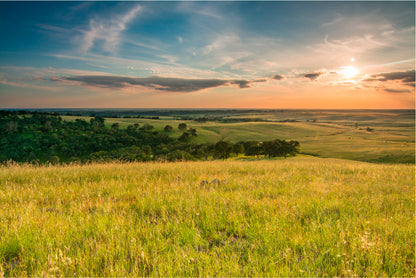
<point>182,126</point>
<point>168,128</point>
<point>179,155</point>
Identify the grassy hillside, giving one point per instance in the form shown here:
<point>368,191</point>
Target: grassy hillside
<point>336,134</point>
<point>293,217</point>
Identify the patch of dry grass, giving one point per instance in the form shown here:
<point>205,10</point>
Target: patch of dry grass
<point>293,217</point>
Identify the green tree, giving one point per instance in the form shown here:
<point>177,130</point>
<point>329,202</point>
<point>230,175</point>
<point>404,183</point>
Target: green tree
<point>192,131</point>
<point>115,126</point>
<point>184,137</point>
<point>179,155</point>
<point>147,149</point>
<point>147,127</point>
<point>252,148</point>
<point>278,148</point>
<point>238,148</point>
<point>272,148</point>
<point>168,128</point>
<point>290,148</point>
<point>223,149</point>
<point>182,126</point>
<point>97,122</point>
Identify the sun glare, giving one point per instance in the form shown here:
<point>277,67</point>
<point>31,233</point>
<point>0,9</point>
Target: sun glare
<point>348,72</point>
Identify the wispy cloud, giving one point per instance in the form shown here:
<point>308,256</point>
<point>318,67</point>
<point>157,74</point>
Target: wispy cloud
<point>146,68</point>
<point>348,46</point>
<point>236,52</point>
<point>29,86</point>
<point>334,21</point>
<point>221,42</point>
<point>371,38</point>
<point>107,30</point>
<point>54,29</point>
<point>196,10</point>
<point>394,63</point>
<point>97,66</point>
<point>150,44</point>
<point>14,73</point>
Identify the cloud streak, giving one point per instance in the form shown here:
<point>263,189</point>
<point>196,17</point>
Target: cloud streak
<point>30,86</point>
<point>397,91</point>
<point>167,84</point>
<point>108,31</point>
<point>403,76</point>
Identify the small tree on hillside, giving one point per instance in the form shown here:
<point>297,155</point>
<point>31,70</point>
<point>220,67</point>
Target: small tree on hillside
<point>182,126</point>
<point>184,137</point>
<point>192,131</point>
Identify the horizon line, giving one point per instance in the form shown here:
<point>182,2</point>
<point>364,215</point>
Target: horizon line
<point>215,108</point>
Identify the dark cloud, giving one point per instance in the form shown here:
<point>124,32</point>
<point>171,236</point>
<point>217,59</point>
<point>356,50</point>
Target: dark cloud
<point>278,77</point>
<point>403,76</point>
<point>397,91</point>
<point>159,83</point>
<point>242,83</point>
<point>313,75</point>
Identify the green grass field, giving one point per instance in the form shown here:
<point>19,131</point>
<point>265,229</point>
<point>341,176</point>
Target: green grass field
<point>335,134</point>
<point>301,216</point>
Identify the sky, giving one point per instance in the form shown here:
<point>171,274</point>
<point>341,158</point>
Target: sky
<point>188,54</point>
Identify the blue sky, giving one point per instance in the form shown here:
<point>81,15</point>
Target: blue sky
<point>207,54</point>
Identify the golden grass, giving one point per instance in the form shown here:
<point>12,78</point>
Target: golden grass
<point>293,217</point>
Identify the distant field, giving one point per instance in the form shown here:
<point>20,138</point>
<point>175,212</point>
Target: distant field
<point>288,217</point>
<point>337,134</point>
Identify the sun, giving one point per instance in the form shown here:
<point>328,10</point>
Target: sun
<point>348,72</point>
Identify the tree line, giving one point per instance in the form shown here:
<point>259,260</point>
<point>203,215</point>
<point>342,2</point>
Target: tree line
<point>41,137</point>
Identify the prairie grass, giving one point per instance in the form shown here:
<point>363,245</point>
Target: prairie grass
<point>295,217</point>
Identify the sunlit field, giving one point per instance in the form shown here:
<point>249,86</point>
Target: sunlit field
<point>207,139</point>
<point>385,136</point>
<point>287,217</point>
